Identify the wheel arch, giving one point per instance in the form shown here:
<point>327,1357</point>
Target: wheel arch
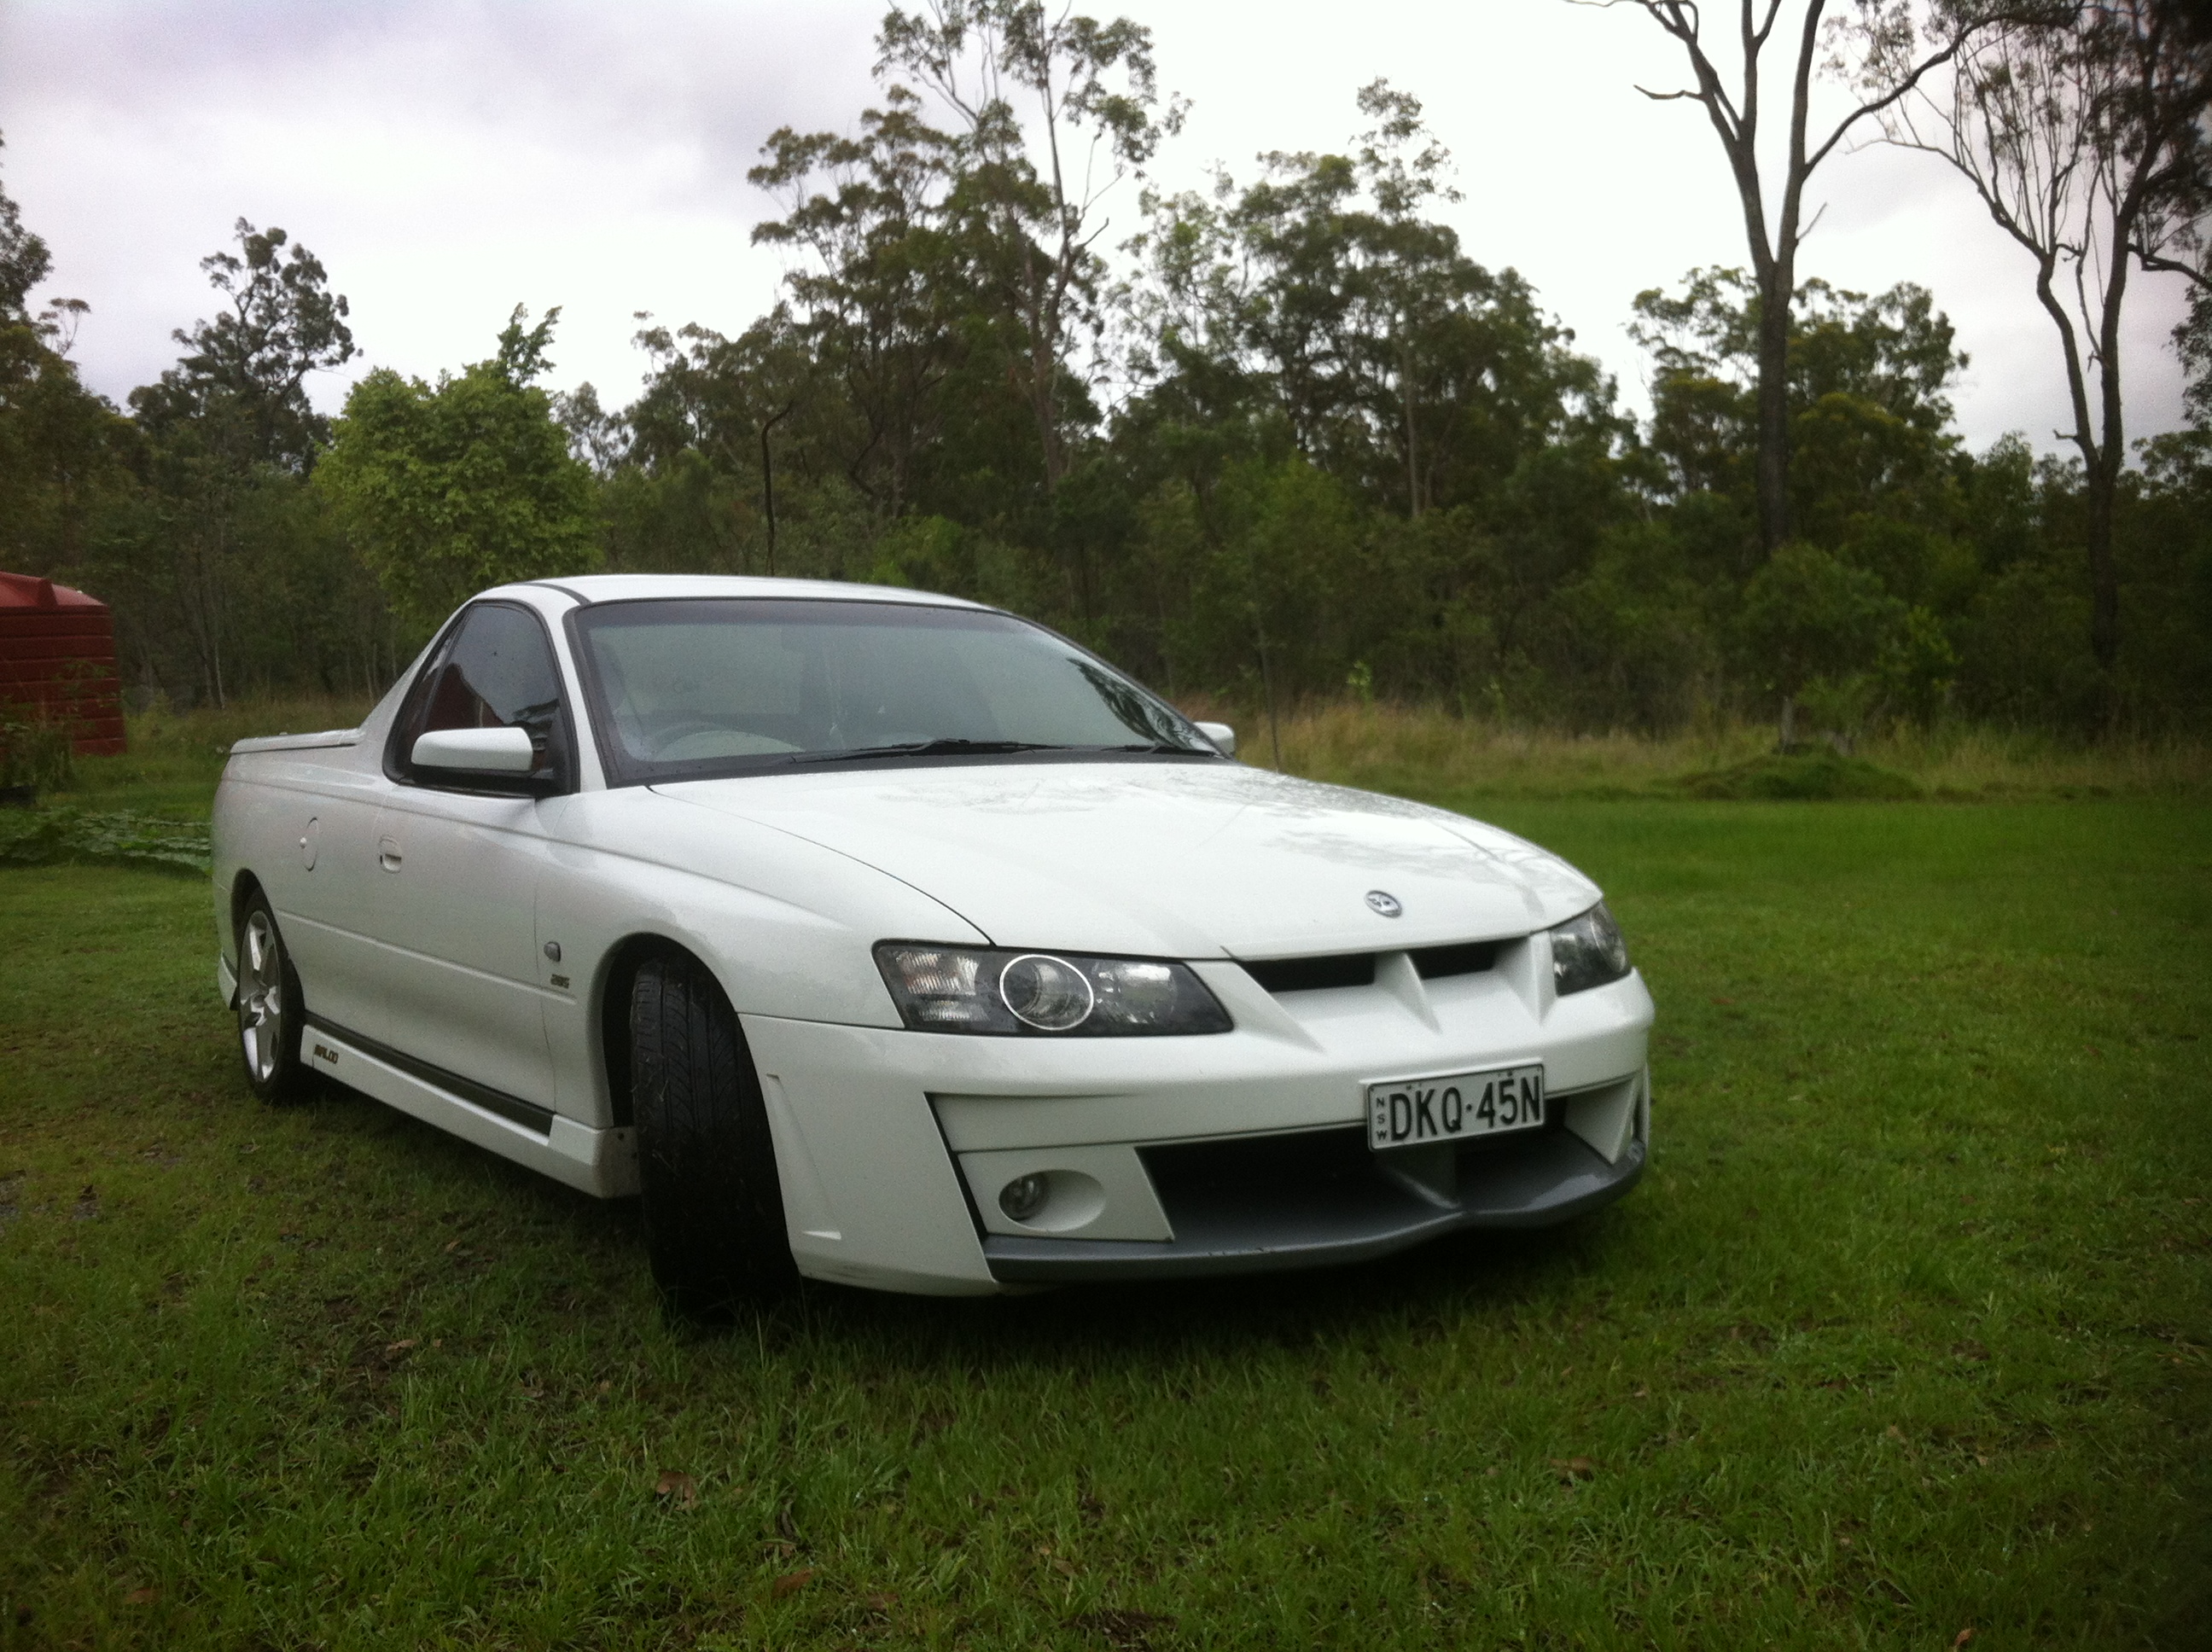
<point>243,886</point>
<point>617,971</point>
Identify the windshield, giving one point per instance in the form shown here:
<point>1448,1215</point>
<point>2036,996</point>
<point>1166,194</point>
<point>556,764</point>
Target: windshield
<point>686,688</point>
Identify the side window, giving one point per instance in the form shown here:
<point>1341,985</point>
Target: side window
<point>495,670</point>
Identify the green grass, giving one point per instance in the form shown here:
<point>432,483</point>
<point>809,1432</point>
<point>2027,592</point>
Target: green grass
<point>1421,751</point>
<point>1905,1333</point>
<point>174,758</point>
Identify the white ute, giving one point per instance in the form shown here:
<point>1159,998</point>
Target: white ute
<point>891,939</point>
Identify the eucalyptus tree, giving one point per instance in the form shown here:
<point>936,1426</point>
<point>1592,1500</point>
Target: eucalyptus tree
<point>1056,109</point>
<point>719,424</point>
<point>1327,300</point>
<point>2082,130</point>
<point>883,305</point>
<point>61,445</point>
<point>230,433</point>
<point>244,377</point>
<point>1728,81</point>
<point>1868,387</point>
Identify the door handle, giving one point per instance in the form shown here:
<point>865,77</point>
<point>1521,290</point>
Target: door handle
<point>388,855</point>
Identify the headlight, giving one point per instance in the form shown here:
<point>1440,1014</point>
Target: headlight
<point>1588,951</point>
<point>992,990</point>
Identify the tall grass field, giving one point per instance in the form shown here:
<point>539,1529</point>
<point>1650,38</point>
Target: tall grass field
<point>1903,1341</point>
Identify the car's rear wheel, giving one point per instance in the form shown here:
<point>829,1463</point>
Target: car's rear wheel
<point>714,1209</point>
<point>270,1010</point>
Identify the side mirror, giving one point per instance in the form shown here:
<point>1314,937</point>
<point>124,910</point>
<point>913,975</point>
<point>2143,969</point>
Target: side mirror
<point>477,750</point>
<point>1222,735</point>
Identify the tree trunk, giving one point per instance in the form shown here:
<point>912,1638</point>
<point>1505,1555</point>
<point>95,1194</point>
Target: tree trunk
<point>1789,723</point>
<point>1413,447</point>
<point>2104,576</point>
<point>1773,459</point>
<point>1268,689</point>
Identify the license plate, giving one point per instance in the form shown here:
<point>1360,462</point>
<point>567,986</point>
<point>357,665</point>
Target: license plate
<point>1416,1112</point>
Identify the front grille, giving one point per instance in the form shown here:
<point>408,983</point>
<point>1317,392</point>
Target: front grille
<point>1331,1176</point>
<point>1468,958</point>
<point>1310,974</point>
<point>1357,969</point>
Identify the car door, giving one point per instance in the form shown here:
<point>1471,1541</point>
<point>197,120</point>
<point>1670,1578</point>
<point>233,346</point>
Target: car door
<point>320,879</point>
<point>458,860</point>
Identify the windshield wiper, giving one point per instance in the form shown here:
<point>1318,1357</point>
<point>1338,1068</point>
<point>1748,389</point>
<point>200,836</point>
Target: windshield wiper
<point>1163,749</point>
<point>933,749</point>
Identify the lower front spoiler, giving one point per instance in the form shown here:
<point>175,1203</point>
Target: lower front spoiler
<point>1343,1208</point>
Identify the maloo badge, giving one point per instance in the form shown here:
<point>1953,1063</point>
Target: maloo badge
<point>1385,904</point>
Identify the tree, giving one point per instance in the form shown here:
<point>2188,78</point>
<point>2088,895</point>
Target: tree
<point>2082,131</point>
<point>1867,395</point>
<point>882,311</point>
<point>1322,299</point>
<point>245,379</point>
<point>24,260</point>
<point>225,429</point>
<point>1094,91</point>
<point>61,445</point>
<point>1807,619</point>
<point>1775,223</point>
<point>450,488</point>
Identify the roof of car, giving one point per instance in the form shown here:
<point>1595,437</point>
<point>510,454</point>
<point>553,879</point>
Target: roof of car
<point>633,587</point>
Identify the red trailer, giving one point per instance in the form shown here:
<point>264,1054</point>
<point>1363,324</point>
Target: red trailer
<point>58,661</point>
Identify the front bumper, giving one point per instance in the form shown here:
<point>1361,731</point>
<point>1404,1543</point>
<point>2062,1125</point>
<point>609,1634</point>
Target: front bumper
<point>1227,1153</point>
<point>1338,1207</point>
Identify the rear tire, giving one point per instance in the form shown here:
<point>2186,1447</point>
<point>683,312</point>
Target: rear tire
<point>271,1012</point>
<point>715,1228</point>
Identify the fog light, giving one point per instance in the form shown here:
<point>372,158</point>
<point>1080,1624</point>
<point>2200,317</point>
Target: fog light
<point>1024,1196</point>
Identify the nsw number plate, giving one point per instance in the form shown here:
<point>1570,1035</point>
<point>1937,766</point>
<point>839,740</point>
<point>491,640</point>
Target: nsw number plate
<point>1415,1112</point>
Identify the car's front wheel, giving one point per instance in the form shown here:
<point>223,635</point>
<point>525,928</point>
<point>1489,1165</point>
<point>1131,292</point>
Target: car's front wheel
<point>271,1013</point>
<point>714,1209</point>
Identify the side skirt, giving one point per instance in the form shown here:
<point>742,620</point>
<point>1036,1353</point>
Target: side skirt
<point>602,1163</point>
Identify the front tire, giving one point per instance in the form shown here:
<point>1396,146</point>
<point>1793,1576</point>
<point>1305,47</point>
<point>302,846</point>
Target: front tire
<point>271,1013</point>
<point>714,1209</point>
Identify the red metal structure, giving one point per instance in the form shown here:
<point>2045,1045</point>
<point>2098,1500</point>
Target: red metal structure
<point>58,661</point>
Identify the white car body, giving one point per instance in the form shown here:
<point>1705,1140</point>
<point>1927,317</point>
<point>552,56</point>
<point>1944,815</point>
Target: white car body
<point>460,956</point>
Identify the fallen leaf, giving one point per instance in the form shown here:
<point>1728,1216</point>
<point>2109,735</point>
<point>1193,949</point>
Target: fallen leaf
<point>452,1247</point>
<point>1644,1393</point>
<point>1723,1000</point>
<point>1894,1432</point>
<point>400,1346</point>
<point>1063,1566</point>
<point>606,1387</point>
<point>882,1602</point>
<point>791,1582</point>
<point>679,1486</point>
<point>1566,1371</point>
<point>1843,1543</point>
<point>140,1597</point>
<point>1965,1635</point>
<point>1573,1469</point>
<point>777,1545</point>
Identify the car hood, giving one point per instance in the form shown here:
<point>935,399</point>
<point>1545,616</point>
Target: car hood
<point>1166,859</point>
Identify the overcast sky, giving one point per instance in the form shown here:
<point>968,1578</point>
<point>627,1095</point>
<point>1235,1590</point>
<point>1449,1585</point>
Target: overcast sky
<point>449,160</point>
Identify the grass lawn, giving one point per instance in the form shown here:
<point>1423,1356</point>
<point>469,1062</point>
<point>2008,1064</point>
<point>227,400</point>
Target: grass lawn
<point>1905,1333</point>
